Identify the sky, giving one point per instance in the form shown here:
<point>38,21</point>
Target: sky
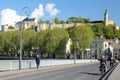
<point>12,11</point>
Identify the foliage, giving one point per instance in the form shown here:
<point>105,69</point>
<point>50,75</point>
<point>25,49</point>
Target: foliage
<point>47,22</point>
<point>10,41</point>
<point>41,40</point>
<point>57,21</point>
<point>72,20</point>
<point>1,42</point>
<point>62,22</point>
<point>109,32</point>
<point>82,36</point>
<point>117,34</point>
<point>98,29</point>
<point>78,20</point>
<point>70,30</point>
<point>29,40</point>
<point>56,40</point>
<point>15,42</point>
<point>40,21</point>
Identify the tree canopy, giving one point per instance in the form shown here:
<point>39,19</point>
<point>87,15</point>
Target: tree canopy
<point>82,37</point>
<point>56,40</point>
<point>53,41</point>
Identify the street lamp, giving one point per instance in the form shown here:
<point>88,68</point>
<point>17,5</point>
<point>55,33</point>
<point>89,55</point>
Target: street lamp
<point>24,11</point>
<point>75,52</point>
<point>88,52</point>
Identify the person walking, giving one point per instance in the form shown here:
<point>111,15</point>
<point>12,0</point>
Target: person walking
<point>37,59</point>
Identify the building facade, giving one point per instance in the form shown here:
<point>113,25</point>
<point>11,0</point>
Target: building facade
<point>100,47</point>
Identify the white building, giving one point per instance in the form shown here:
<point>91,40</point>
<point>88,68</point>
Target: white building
<point>27,23</point>
<point>100,46</point>
<point>68,48</point>
<point>5,28</point>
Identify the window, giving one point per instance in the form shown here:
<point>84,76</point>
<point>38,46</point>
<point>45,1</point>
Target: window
<point>95,50</point>
<point>105,45</point>
<point>95,45</point>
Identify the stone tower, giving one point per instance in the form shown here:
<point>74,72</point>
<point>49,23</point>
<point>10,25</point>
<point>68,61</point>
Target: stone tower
<point>106,17</point>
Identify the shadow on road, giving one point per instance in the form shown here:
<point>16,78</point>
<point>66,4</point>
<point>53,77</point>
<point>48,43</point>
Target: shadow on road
<point>90,73</point>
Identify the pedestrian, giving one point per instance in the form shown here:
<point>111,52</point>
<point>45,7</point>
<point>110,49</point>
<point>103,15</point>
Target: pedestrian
<point>111,61</point>
<point>103,64</point>
<point>37,59</point>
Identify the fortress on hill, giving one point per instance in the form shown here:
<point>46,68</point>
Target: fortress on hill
<point>32,23</point>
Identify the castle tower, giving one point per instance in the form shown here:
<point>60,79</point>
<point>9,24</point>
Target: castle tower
<point>106,17</point>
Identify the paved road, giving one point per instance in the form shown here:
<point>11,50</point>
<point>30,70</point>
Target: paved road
<point>78,72</point>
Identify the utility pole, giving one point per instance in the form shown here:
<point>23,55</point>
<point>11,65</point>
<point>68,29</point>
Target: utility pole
<point>75,53</point>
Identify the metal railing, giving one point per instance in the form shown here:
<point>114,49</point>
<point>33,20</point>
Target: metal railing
<point>14,64</point>
<point>107,74</point>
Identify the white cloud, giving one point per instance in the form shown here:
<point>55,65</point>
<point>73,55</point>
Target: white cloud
<point>51,10</point>
<point>9,16</point>
<point>38,13</point>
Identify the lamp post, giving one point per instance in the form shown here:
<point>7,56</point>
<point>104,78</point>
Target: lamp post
<point>88,53</point>
<point>75,52</point>
<point>24,11</point>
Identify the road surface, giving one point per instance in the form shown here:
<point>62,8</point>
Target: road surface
<point>78,72</point>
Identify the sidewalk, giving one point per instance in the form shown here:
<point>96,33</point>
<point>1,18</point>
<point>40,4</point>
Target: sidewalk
<point>115,75</point>
<point>41,69</point>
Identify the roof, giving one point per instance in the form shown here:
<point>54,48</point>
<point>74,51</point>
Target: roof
<point>29,19</point>
<point>10,27</point>
<point>100,39</point>
<point>100,21</point>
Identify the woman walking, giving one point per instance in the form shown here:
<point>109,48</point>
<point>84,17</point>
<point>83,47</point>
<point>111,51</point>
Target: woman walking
<point>37,59</point>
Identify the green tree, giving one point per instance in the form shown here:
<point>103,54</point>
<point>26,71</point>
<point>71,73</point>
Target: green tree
<point>70,31</point>
<point>29,41</point>
<point>7,42</point>
<point>42,40</point>
<point>81,20</point>
<point>15,42</point>
<point>62,22</point>
<point>87,20</point>
<point>78,20</point>
<point>1,42</point>
<point>47,22</point>
<point>67,22</point>
<point>82,37</point>
<point>57,21</point>
<point>56,40</point>
<point>40,21</point>
<point>109,32</point>
<point>98,29</point>
<point>117,34</point>
<point>73,19</point>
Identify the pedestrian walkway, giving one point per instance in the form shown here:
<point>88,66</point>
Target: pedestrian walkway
<point>115,75</point>
<point>41,69</point>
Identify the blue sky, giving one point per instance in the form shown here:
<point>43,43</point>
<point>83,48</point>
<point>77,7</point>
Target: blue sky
<point>62,9</point>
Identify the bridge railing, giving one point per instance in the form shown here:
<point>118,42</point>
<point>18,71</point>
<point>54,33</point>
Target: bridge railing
<point>14,64</point>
